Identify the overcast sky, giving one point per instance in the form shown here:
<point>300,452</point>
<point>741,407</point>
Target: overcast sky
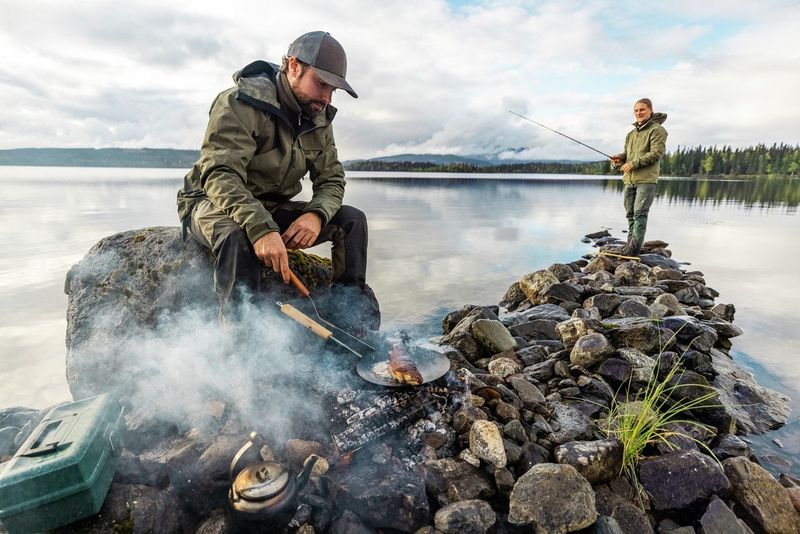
<point>432,76</point>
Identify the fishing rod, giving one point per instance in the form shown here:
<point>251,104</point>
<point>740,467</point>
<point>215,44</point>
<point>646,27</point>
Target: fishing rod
<point>559,133</point>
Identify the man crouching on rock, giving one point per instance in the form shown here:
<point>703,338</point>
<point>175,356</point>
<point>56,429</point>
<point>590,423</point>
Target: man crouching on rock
<point>263,136</point>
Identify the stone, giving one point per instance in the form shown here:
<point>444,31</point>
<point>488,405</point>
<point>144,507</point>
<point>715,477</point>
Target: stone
<point>549,312</point>
<point>573,424</point>
<point>531,355</point>
<point>514,430</point>
<point>665,273</point>
<point>384,497</point>
<point>562,292</point>
<point>615,370</point>
<point>139,508</point>
<point>606,525</point>
<point>638,291</point>
<point>571,330</point>
<point>755,409</point>
<point>724,329</point>
<point>597,461</point>
<point>605,303</point>
<point>466,415</point>
<point>486,442</point>
<point>298,450</point>
<point>591,350</point>
<point>670,302</point>
<point>535,329</point>
<point>729,446</point>
<point>725,312</point>
<point>794,496</point>
<point>719,519</point>
<point>637,333</point>
<point>465,517</point>
<point>528,393</point>
<point>534,284</point>
<point>657,260</point>
<point>469,457</point>
<point>641,365</point>
<point>759,498</point>
<point>451,481</point>
<point>633,308</point>
<point>598,234</point>
<point>506,412</point>
<point>601,263</point>
<point>562,271</point>
<point>513,297</point>
<point>450,320</point>
<point>682,481</point>
<point>503,367</point>
<point>541,372</point>
<point>504,480</point>
<point>691,331</point>
<point>493,336</point>
<point>634,273</point>
<point>552,498</point>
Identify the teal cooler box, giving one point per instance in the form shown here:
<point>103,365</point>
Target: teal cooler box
<point>63,470</point>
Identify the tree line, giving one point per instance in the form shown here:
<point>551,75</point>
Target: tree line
<point>758,160</point>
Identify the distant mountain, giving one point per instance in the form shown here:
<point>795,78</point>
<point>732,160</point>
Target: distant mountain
<point>100,157</point>
<point>438,159</point>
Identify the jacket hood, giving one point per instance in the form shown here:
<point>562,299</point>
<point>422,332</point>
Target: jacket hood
<point>657,118</point>
<point>257,85</point>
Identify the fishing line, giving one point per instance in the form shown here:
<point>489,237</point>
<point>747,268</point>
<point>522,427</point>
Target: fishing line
<point>559,133</point>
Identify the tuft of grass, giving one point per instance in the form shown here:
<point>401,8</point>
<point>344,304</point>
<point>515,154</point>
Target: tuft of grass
<point>650,417</point>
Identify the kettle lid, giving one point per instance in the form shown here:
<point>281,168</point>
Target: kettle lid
<point>261,481</point>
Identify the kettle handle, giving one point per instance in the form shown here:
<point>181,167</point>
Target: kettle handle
<point>238,456</point>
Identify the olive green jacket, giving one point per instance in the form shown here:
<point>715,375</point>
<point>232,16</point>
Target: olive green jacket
<point>253,156</point>
<point>644,146</point>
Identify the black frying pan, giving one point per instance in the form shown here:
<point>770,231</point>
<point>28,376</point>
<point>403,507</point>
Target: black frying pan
<point>374,365</point>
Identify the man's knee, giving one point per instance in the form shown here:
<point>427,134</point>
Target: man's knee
<point>348,215</point>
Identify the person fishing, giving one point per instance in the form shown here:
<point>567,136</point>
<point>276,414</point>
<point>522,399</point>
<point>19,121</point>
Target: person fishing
<point>263,135</point>
<point>644,147</point>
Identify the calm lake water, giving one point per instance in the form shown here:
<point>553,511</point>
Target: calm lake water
<point>437,242</point>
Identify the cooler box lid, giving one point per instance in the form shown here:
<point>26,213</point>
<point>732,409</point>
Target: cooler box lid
<point>64,455</point>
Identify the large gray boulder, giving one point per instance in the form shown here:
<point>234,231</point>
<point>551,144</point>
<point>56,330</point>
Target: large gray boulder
<point>142,303</point>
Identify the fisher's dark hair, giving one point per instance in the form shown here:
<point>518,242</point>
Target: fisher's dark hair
<point>646,101</point>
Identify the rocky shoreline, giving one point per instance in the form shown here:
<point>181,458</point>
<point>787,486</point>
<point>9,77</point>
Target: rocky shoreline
<point>527,432</point>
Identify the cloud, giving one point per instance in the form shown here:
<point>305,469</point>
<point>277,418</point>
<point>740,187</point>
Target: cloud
<point>432,76</point>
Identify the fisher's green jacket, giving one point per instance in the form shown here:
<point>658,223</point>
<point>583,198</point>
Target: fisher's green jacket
<point>644,146</point>
<point>254,155</point>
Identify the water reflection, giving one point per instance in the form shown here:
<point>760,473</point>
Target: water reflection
<point>435,245</point>
<point>749,193</point>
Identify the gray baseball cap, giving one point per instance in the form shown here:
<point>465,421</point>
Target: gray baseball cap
<point>326,55</point>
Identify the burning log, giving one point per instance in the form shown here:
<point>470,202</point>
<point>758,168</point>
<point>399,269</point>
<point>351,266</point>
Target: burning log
<point>363,416</point>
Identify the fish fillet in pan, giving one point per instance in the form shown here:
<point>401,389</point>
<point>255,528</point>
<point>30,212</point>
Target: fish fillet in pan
<point>402,367</point>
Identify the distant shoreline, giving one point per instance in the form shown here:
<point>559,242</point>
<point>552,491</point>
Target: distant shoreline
<point>695,162</point>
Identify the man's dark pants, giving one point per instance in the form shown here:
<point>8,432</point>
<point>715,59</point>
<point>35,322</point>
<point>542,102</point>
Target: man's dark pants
<point>237,266</point>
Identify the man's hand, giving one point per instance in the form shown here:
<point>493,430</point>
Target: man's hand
<point>271,250</point>
<point>627,167</point>
<point>303,232</point>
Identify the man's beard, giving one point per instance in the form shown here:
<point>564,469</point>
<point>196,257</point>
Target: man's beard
<point>306,105</point>
<point>304,100</point>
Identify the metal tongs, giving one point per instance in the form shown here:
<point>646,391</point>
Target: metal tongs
<point>303,290</point>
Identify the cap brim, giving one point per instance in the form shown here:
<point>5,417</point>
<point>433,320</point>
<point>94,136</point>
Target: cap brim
<point>335,80</point>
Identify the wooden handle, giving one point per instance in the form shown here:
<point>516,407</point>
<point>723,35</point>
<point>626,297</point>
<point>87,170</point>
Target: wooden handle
<point>298,284</point>
<point>306,321</point>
